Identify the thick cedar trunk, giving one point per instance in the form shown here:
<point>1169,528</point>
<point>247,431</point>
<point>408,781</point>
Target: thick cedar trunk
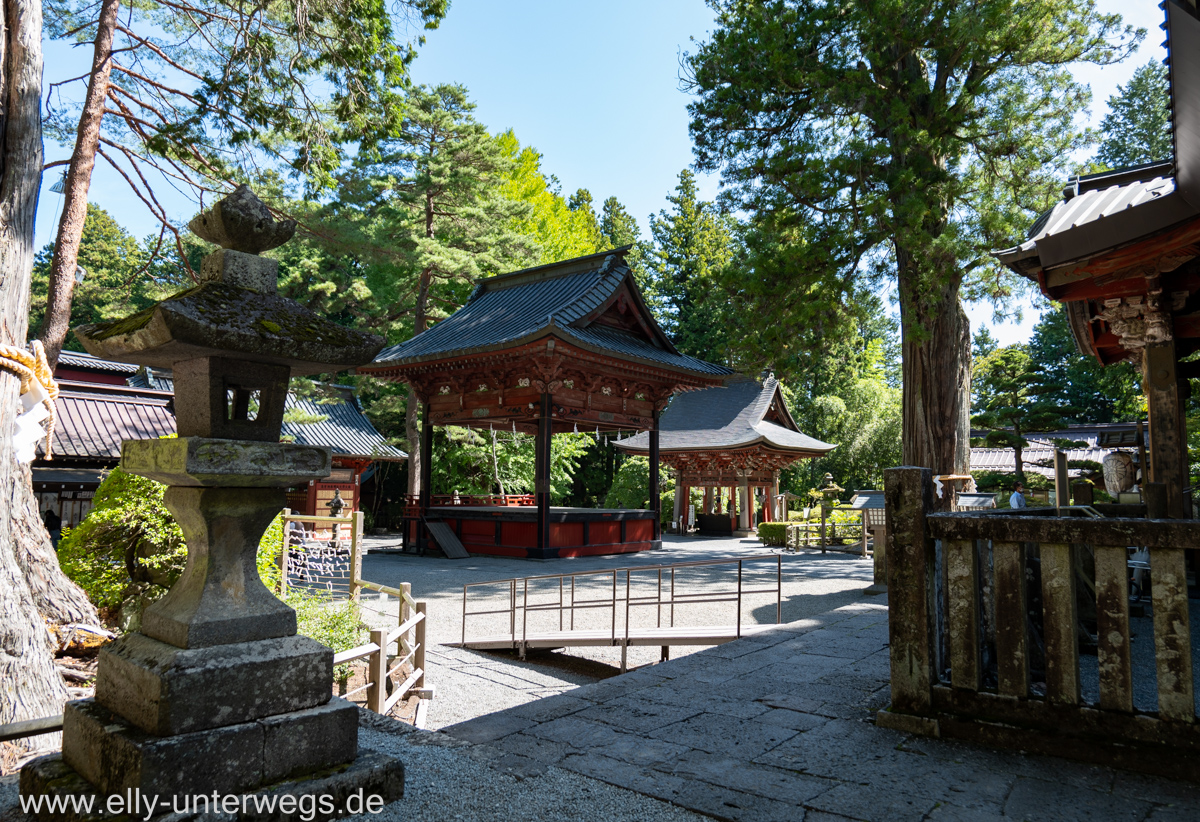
<point>75,193</point>
<point>937,375</point>
<point>30,687</point>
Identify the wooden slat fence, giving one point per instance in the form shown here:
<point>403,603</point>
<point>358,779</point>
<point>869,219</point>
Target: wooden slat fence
<point>960,584</point>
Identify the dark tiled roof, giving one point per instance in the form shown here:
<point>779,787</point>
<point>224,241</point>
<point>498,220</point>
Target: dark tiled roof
<point>552,299</point>
<point>93,419</point>
<point>346,430</point>
<point>75,359</point>
<point>727,417</point>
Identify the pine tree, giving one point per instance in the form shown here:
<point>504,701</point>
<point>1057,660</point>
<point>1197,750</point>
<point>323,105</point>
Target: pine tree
<point>1137,128</point>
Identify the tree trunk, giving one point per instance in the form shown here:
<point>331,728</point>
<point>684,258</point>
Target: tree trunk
<point>936,340</point>
<point>75,193</point>
<point>1019,460</point>
<point>412,427</point>
<point>30,687</point>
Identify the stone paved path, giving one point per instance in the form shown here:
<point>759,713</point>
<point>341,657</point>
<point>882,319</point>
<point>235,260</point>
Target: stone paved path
<point>778,727</point>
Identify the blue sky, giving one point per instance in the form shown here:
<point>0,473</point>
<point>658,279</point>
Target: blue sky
<point>594,86</point>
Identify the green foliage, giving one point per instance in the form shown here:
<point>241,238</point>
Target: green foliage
<point>465,463</point>
<point>631,487</point>
<point>1137,127</point>
<point>118,282</point>
<point>1085,390</point>
<point>128,550</point>
<point>1011,400</point>
<point>864,421</point>
<point>560,231</point>
<point>772,533</point>
<point>692,241</point>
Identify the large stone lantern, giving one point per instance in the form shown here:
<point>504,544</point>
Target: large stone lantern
<point>217,693</point>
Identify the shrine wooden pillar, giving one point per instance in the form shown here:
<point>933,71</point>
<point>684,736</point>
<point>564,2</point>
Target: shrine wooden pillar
<point>426,471</point>
<point>680,492</point>
<point>1168,442</point>
<point>655,495</point>
<point>744,516</point>
<point>545,439</point>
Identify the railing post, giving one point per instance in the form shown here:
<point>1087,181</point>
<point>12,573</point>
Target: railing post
<point>356,527</point>
<point>909,496</point>
<point>419,655</point>
<point>283,554</point>
<point>377,672</point>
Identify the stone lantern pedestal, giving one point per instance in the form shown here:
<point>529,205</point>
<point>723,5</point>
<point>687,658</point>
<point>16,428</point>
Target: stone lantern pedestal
<point>217,694</point>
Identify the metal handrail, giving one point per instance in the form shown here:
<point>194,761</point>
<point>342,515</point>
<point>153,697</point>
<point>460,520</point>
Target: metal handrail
<point>631,601</point>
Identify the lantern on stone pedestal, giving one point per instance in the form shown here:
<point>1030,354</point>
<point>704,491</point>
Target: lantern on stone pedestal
<point>217,693</point>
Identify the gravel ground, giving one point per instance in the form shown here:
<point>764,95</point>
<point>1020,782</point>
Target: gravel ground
<point>471,683</point>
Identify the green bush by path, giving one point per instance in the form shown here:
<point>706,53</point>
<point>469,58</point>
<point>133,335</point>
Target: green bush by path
<point>772,533</point>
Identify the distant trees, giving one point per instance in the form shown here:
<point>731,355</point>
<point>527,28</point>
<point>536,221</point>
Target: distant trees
<point>902,140</point>
<point>1137,127</point>
<point>1013,398</point>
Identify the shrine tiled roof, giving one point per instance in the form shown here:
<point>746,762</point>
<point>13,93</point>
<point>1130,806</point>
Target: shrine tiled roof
<point>728,417</point>
<point>345,428</point>
<point>559,299</point>
<point>94,419</point>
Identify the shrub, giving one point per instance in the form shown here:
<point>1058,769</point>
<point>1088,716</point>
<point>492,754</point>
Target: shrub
<point>128,551</point>
<point>772,533</point>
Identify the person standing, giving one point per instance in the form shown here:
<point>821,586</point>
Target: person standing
<point>53,524</point>
<point>1017,500</point>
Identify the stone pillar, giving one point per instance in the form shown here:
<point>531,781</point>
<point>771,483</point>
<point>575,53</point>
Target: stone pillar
<point>1168,444</point>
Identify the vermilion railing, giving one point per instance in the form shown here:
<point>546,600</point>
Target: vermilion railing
<point>412,502</point>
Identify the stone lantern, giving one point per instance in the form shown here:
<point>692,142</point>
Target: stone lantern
<point>829,492</point>
<point>217,693</point>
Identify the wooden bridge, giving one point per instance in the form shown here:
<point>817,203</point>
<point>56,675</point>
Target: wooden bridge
<point>542,598</point>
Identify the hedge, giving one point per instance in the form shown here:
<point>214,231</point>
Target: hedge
<point>772,533</point>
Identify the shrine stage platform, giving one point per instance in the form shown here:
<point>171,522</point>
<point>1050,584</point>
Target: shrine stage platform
<point>511,530</point>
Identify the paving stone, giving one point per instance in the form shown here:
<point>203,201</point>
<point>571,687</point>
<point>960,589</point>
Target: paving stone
<point>638,750</point>
<point>490,727</point>
<point>577,733</point>
<point>626,775</point>
<point>739,775</point>
<point>1057,802</point>
<point>713,732</point>
<point>954,813</point>
<point>548,708</point>
<point>791,719</point>
<point>874,803</point>
<point>639,714</point>
<point>724,803</point>
<point>1174,813</point>
<point>535,747</point>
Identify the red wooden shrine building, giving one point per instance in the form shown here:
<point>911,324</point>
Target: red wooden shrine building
<point>734,439</point>
<point>558,348</point>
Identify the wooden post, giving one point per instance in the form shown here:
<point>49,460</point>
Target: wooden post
<point>426,473</point>
<point>545,440</point>
<point>1012,639</point>
<point>283,554</point>
<point>356,528</point>
<point>1059,628</point>
<point>1112,623</point>
<point>1172,634</point>
<point>377,672</point>
<point>404,611</point>
<point>962,575</point>
<point>655,494</point>
<point>1168,447</point>
<point>677,512</point>
<point>909,495</point>
<point>744,513</point>
<point>419,655</point>
<point>1062,482</point>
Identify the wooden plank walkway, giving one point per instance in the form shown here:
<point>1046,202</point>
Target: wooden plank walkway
<point>444,536</point>
<point>695,635</point>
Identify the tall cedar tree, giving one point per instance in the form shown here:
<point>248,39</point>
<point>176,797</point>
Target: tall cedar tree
<point>1014,398</point>
<point>433,195</point>
<point>1137,127</point>
<point>33,590</point>
<point>196,92</point>
<point>896,136</point>
<point>692,242</point>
